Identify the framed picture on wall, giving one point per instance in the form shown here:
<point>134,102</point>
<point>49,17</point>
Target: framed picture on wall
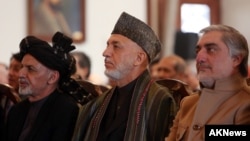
<point>46,17</point>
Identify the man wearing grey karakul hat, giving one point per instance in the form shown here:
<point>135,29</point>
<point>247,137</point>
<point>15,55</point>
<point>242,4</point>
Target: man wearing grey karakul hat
<point>136,108</point>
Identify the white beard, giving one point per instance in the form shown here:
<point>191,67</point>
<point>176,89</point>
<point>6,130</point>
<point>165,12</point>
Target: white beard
<point>25,91</point>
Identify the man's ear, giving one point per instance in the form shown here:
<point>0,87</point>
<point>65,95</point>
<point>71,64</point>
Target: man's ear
<point>53,77</point>
<point>237,59</point>
<point>141,57</point>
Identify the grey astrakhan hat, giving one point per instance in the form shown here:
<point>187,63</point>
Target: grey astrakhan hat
<point>139,32</point>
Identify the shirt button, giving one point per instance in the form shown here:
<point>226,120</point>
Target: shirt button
<point>196,127</point>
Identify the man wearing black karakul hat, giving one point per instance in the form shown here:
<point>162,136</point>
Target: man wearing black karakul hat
<point>49,113</point>
<point>136,109</point>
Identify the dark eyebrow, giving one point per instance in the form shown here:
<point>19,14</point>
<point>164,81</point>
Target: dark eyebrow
<point>207,45</point>
<point>29,66</point>
<point>210,44</point>
<point>113,42</point>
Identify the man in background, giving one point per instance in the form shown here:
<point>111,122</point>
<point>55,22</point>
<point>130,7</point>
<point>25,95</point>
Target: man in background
<point>83,65</point>
<point>172,66</point>
<point>13,73</point>
<point>175,67</point>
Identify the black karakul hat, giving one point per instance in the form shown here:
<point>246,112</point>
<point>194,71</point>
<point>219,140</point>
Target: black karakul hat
<point>139,32</point>
<point>55,57</point>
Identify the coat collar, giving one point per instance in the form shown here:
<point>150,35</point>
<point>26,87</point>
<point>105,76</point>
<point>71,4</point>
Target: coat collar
<point>232,83</point>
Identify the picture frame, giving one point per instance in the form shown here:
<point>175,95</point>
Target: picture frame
<point>46,17</point>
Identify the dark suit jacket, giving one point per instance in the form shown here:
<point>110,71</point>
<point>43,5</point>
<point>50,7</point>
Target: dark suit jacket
<point>55,120</point>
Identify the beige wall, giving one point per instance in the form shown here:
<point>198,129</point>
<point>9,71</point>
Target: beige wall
<point>101,16</point>
<point>100,19</point>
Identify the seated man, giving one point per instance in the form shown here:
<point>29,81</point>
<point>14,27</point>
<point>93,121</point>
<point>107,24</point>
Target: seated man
<point>221,62</point>
<point>136,108</point>
<point>50,110</point>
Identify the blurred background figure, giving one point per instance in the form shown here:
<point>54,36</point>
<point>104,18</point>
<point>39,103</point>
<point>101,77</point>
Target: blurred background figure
<point>153,68</point>
<point>83,65</point>
<point>8,96</point>
<point>14,67</point>
<point>175,67</point>
<point>190,76</point>
<point>172,66</point>
<point>9,89</point>
<point>4,73</point>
